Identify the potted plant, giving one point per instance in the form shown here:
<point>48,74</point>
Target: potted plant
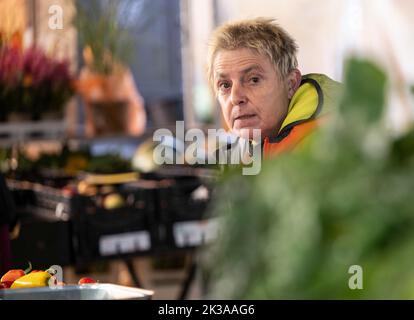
<point>111,100</point>
<point>31,83</point>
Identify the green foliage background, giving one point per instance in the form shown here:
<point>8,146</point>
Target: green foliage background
<point>98,26</point>
<point>293,231</point>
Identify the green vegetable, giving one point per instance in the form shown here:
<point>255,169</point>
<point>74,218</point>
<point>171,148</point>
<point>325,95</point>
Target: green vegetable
<point>109,163</point>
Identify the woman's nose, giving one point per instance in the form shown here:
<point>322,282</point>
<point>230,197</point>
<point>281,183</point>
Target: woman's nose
<point>238,96</point>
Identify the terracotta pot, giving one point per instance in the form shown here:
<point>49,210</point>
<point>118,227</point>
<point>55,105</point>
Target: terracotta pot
<point>112,103</point>
<point>106,117</point>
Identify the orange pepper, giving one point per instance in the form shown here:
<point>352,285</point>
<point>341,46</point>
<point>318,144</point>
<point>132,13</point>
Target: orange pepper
<point>12,275</point>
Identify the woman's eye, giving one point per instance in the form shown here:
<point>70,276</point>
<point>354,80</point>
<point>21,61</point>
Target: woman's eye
<point>254,79</point>
<point>224,85</point>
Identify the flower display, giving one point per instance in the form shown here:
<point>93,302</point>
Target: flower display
<point>32,83</point>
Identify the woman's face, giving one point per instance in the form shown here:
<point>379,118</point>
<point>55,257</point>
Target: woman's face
<point>250,92</point>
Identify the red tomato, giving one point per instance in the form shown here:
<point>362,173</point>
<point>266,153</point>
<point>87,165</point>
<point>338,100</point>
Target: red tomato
<point>86,280</point>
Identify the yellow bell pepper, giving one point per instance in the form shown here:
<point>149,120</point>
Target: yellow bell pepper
<point>32,280</point>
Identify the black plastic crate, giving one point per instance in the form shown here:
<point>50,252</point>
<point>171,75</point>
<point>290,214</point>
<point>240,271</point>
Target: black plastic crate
<point>22,192</point>
<point>102,234</point>
<point>42,242</point>
<point>32,198</point>
<point>51,203</point>
<point>184,199</point>
<point>183,213</point>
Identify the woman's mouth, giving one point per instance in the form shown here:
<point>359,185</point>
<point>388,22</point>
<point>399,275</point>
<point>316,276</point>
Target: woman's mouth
<point>244,120</point>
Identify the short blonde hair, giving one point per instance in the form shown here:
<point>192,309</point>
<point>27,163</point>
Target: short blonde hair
<point>261,35</point>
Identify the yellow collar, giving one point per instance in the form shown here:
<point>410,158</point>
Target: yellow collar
<point>302,105</point>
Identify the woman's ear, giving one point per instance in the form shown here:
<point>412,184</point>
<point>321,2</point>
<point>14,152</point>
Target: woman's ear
<point>293,82</point>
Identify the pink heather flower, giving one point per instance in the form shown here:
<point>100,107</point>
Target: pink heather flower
<point>35,69</point>
<point>10,67</point>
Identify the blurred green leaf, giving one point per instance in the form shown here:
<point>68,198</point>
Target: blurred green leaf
<point>364,89</point>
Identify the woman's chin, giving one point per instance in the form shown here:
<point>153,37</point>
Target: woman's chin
<point>248,133</point>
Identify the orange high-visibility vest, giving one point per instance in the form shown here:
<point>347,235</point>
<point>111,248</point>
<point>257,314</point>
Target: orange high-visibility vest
<point>295,137</point>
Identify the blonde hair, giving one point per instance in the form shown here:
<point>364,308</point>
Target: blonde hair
<point>261,35</point>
